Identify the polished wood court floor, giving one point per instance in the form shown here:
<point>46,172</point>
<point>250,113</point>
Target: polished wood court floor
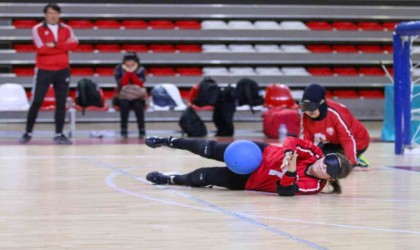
<point>96,197</point>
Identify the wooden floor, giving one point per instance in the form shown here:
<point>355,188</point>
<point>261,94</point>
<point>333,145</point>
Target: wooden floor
<point>96,197</point>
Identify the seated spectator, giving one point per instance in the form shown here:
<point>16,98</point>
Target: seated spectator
<point>130,77</point>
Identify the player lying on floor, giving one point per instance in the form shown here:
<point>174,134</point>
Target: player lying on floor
<point>297,167</point>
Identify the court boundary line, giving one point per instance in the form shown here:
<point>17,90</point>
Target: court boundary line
<point>216,208</point>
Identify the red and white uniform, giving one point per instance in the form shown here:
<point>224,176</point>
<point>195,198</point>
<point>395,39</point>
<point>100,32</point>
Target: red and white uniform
<point>56,58</point>
<point>338,127</point>
<point>269,172</point>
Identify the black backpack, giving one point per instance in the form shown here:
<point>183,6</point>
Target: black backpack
<point>224,112</point>
<point>88,94</point>
<point>191,124</point>
<point>208,93</point>
<point>247,93</point>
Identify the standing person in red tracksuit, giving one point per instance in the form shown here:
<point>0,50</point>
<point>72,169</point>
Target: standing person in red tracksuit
<point>53,41</point>
<point>130,72</point>
<point>332,127</point>
<point>297,167</point>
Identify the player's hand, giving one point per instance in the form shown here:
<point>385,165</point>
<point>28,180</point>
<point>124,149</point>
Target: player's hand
<point>292,164</point>
<point>50,45</point>
<point>134,68</point>
<point>70,40</point>
<point>287,157</point>
<point>126,68</point>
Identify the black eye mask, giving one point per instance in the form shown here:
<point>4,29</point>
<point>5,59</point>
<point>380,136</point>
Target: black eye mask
<point>333,165</point>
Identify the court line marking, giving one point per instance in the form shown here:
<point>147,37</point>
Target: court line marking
<point>269,217</point>
<point>258,216</point>
<point>215,207</point>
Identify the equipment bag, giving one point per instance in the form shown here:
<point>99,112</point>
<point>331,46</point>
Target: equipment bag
<point>191,123</point>
<point>87,94</point>
<point>281,115</point>
<point>208,93</point>
<point>247,93</point>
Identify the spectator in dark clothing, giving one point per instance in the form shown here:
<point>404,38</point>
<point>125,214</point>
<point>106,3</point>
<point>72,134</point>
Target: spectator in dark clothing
<point>130,77</point>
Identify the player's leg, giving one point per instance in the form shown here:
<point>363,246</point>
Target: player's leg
<point>61,89</point>
<point>206,148</point>
<point>124,113</point>
<point>138,107</point>
<point>43,79</point>
<point>202,177</point>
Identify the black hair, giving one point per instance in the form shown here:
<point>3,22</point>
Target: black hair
<point>131,56</point>
<point>53,6</point>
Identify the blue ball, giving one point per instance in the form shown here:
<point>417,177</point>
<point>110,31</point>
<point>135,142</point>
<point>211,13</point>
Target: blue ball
<point>243,157</point>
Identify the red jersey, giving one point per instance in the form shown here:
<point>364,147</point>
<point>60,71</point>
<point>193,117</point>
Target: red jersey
<point>269,172</point>
<point>55,58</point>
<point>338,127</point>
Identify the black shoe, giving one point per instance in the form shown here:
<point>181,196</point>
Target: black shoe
<point>158,178</point>
<point>61,139</point>
<point>26,137</point>
<point>155,142</point>
<point>124,133</point>
<point>142,133</point>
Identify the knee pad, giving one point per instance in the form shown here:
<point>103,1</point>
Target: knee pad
<point>198,179</point>
<point>207,149</point>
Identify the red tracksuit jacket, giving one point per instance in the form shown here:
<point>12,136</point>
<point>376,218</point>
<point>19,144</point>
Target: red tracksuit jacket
<point>56,58</point>
<point>338,127</point>
<point>269,172</point>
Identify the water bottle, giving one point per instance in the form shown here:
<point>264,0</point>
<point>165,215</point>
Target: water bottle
<point>282,132</point>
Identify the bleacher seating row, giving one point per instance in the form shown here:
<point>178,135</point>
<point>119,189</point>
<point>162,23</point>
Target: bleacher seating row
<point>214,71</point>
<point>219,48</point>
<point>213,24</point>
<point>179,44</point>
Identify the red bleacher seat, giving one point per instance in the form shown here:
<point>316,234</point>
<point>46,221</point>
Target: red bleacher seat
<point>24,47</point>
<point>328,94</point>
<point>188,24</point>
<point>161,24</point>
<point>25,24</point>
<point>320,71</point>
<point>80,24</point>
<point>390,26</point>
<point>134,24</point>
<point>370,26</point>
<point>109,93</point>
<point>319,25</point>
<point>105,71</point>
<point>23,71</point>
<point>372,93</point>
<point>370,48</point>
<point>319,48</point>
<point>345,48</point>
<point>183,71</point>
<point>346,71</point>
<point>108,48</point>
<point>185,93</point>
<point>372,71</point>
<point>193,95</point>
<point>188,48</point>
<point>108,24</point>
<point>162,48</point>
<point>390,70</point>
<point>345,94</point>
<point>162,71</point>
<point>84,48</point>
<point>345,26</point>
<point>82,71</point>
<point>135,47</point>
<point>388,48</point>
